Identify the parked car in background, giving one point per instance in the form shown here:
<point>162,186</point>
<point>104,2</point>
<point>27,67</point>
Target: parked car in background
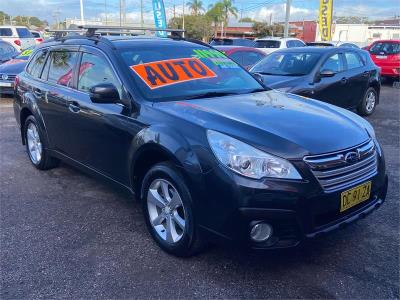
<point>386,55</point>
<point>7,51</point>
<point>247,57</point>
<point>18,36</point>
<point>39,38</point>
<point>332,44</point>
<point>231,42</point>
<point>10,69</point>
<point>270,44</point>
<point>345,77</point>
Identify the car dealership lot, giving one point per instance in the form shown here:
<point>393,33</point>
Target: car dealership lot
<point>65,234</point>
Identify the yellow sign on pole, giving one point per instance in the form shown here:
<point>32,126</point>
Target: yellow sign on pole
<point>325,19</point>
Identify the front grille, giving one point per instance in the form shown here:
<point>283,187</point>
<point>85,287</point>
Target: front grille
<point>345,168</point>
<point>9,77</point>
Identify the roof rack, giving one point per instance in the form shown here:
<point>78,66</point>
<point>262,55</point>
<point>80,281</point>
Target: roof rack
<point>93,29</point>
<point>59,33</point>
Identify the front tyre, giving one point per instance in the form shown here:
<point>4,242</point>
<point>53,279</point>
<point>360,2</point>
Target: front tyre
<point>37,153</point>
<point>167,208</point>
<point>368,104</point>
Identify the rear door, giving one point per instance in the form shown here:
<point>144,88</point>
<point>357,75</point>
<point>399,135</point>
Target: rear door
<point>358,77</point>
<point>56,93</point>
<point>26,37</point>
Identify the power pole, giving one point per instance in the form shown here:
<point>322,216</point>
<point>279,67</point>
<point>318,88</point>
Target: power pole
<point>82,17</point>
<point>105,10</point>
<point>123,11</point>
<point>288,4</point>
<point>141,14</point>
<point>183,19</point>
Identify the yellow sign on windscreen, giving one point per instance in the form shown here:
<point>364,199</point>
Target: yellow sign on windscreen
<point>325,19</point>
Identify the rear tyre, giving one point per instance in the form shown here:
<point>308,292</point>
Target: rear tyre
<point>168,211</point>
<point>368,104</point>
<point>37,153</point>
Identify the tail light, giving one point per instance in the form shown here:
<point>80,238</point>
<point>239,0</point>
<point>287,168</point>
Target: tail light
<point>16,81</point>
<point>39,40</point>
<point>17,42</point>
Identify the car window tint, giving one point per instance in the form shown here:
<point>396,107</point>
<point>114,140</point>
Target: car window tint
<point>267,44</point>
<point>333,63</point>
<point>61,67</point>
<point>251,58</point>
<point>6,32</point>
<point>237,57</point>
<point>95,70</point>
<point>24,33</point>
<point>290,44</point>
<point>353,60</point>
<point>35,66</point>
<point>385,48</point>
<point>299,44</point>
<point>35,34</point>
<point>6,49</point>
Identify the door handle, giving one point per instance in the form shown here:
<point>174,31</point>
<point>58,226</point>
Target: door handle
<point>343,80</point>
<point>74,107</point>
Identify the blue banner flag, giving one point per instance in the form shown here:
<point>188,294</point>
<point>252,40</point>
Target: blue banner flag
<point>160,19</point>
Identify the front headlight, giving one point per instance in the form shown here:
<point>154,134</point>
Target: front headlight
<point>247,160</point>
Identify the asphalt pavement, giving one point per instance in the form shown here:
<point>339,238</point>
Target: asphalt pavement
<point>64,234</point>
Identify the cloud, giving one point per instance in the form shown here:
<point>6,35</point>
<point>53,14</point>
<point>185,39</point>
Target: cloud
<point>278,12</point>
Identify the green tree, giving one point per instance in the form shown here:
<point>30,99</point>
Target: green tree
<point>216,14</point>
<point>263,29</point>
<point>196,6</point>
<point>197,27</point>
<point>4,18</point>
<point>228,9</point>
<point>246,20</point>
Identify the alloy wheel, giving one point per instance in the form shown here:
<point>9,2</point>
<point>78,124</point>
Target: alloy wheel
<point>166,211</point>
<point>370,101</point>
<point>34,144</point>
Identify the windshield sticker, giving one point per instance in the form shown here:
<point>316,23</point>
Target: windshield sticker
<point>216,57</point>
<point>26,53</point>
<point>161,73</point>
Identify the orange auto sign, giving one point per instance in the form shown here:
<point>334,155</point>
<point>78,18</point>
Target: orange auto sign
<point>161,73</point>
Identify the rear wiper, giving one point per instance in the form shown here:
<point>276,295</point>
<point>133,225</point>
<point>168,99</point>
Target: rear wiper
<point>210,95</point>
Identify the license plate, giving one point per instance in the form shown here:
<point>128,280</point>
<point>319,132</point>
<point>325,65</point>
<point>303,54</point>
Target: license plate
<point>355,196</point>
<point>7,84</point>
<point>381,56</point>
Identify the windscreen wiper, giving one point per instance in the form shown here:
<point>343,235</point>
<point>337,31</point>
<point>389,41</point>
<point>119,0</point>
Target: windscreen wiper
<point>211,95</point>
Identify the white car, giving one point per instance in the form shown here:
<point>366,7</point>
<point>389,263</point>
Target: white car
<point>18,36</point>
<point>39,38</point>
<point>270,44</point>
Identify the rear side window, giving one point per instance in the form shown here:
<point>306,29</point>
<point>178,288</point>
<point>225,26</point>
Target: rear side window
<point>35,66</point>
<point>24,33</point>
<point>237,57</point>
<point>35,34</point>
<point>290,44</point>
<point>353,60</point>
<point>6,32</point>
<point>61,67</point>
<point>95,70</point>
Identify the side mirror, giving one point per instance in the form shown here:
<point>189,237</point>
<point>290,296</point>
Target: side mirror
<point>327,73</point>
<point>258,77</point>
<point>104,93</point>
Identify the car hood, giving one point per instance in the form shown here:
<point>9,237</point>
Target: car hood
<point>15,68</point>
<point>278,81</point>
<point>284,124</point>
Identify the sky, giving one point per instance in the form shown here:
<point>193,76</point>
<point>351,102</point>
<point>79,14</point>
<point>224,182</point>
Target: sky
<point>260,10</point>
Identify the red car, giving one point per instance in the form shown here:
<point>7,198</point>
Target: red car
<point>386,55</point>
<point>244,56</point>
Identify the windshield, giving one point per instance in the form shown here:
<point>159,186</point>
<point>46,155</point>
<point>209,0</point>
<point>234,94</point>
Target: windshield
<point>268,44</point>
<point>287,64</point>
<point>184,71</point>
<point>385,48</point>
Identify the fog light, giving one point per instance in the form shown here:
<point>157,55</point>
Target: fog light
<point>261,232</point>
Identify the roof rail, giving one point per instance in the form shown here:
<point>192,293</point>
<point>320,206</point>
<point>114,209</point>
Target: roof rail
<point>93,29</point>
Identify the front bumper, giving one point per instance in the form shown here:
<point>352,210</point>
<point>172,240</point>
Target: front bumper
<point>231,204</point>
<point>6,87</point>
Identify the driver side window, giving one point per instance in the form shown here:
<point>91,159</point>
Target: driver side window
<point>333,63</point>
<point>94,70</point>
